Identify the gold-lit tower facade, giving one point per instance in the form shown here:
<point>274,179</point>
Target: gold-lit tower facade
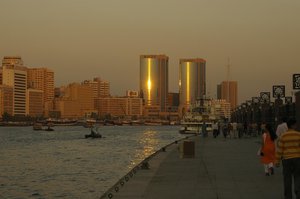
<point>192,81</point>
<point>154,80</point>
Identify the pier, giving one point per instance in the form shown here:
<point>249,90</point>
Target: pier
<point>220,168</point>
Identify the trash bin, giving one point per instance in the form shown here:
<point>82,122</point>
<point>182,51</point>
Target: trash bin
<point>187,149</point>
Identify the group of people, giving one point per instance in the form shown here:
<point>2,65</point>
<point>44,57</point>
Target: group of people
<point>233,129</point>
<point>282,146</point>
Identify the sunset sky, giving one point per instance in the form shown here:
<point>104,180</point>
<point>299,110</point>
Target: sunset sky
<point>82,39</point>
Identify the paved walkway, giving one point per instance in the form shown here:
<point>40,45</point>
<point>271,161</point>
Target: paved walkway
<point>222,168</point>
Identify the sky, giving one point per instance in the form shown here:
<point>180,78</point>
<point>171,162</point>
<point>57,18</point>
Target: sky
<point>83,39</point>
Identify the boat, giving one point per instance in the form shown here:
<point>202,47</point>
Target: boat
<point>37,126</point>
<point>49,128</point>
<point>61,122</point>
<point>89,123</point>
<point>94,134</point>
<point>197,118</point>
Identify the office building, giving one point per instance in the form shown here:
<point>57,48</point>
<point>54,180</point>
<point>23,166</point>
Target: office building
<point>14,74</point>
<point>154,80</point>
<point>192,81</point>
<point>228,90</point>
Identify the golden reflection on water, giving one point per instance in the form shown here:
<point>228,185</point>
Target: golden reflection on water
<point>148,141</point>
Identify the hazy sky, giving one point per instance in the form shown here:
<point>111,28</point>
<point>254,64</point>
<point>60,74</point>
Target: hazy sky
<point>82,39</point>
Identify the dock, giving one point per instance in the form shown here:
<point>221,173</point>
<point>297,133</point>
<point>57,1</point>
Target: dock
<point>219,169</point>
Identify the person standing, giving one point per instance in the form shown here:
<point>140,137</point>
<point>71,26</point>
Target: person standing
<point>215,128</point>
<point>282,127</point>
<point>235,130</point>
<point>288,150</point>
<point>268,150</point>
<point>204,130</point>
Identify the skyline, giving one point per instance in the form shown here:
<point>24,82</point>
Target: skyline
<point>99,38</point>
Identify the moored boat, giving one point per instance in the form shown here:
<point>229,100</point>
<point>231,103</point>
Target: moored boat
<point>198,119</point>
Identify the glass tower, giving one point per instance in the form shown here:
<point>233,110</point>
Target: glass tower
<point>154,80</point>
<point>192,80</point>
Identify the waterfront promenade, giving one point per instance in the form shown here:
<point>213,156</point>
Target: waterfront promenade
<point>222,168</point>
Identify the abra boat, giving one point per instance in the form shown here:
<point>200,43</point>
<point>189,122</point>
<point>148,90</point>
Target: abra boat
<point>37,126</point>
<point>94,134</point>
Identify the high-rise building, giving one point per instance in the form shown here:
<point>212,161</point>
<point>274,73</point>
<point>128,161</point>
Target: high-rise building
<point>192,81</point>
<point>101,88</point>
<point>14,74</point>
<point>35,105</point>
<point>76,102</point>
<point>6,100</point>
<point>228,90</point>
<point>42,79</point>
<point>154,80</point>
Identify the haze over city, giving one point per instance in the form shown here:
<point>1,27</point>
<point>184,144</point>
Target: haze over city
<point>79,40</point>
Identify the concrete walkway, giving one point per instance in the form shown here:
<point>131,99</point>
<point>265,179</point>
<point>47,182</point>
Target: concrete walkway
<point>222,168</point>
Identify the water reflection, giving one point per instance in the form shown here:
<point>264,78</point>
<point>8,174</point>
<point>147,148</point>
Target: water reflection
<point>148,143</point>
<point>64,164</point>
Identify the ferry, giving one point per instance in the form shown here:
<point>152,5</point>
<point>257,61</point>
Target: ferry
<point>198,117</point>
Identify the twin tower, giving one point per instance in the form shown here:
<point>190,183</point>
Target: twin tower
<point>154,80</point>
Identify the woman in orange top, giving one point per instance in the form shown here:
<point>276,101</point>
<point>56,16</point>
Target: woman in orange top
<point>268,149</point>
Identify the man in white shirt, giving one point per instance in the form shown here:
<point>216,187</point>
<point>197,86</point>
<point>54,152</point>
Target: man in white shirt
<point>281,128</point>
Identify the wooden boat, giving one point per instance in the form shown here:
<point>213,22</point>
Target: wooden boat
<point>37,126</point>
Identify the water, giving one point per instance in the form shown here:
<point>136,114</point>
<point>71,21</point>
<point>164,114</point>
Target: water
<point>62,164</point>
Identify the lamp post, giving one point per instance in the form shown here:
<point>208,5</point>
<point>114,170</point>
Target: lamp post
<point>278,93</point>
<point>296,86</point>
<point>265,100</point>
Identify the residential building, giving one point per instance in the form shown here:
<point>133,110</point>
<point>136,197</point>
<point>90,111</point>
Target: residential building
<point>101,88</point>
<point>42,79</point>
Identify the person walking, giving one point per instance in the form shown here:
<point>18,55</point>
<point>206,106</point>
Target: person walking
<point>268,150</point>
<point>288,151</point>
